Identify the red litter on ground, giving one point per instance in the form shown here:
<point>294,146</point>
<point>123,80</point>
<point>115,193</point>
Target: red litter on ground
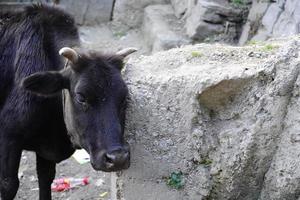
<point>63,184</point>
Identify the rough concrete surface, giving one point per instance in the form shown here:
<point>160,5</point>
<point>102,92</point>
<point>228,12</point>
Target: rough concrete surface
<point>226,117</point>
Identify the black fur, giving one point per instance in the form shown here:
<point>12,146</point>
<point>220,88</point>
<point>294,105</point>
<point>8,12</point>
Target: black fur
<point>32,115</point>
<point>45,83</point>
<point>29,43</point>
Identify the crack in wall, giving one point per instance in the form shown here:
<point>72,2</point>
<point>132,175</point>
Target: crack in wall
<point>85,13</point>
<point>112,10</point>
<point>278,16</point>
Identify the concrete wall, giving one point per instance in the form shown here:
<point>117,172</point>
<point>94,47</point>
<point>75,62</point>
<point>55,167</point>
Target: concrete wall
<point>226,117</point>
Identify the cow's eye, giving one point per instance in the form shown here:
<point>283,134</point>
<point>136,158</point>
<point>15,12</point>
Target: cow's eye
<point>80,98</point>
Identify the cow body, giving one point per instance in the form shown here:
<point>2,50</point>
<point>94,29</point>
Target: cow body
<point>29,45</point>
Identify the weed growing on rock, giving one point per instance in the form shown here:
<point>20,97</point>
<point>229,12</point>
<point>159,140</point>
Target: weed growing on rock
<point>238,3</point>
<point>196,54</point>
<point>175,180</point>
<point>205,162</point>
<point>119,34</point>
<point>269,47</point>
<point>252,42</point>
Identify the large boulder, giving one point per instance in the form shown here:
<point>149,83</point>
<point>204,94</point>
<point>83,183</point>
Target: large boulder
<point>180,7</point>
<point>226,117</point>
<point>253,22</point>
<point>130,12</point>
<point>213,18</point>
<point>161,29</point>
<point>89,12</point>
<point>282,18</point>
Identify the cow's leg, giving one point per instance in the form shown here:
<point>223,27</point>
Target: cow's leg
<point>46,174</point>
<point>10,161</point>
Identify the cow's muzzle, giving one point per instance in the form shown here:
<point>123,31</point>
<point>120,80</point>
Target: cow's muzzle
<point>112,160</point>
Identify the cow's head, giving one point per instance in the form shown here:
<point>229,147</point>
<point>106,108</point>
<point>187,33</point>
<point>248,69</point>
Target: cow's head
<point>94,101</point>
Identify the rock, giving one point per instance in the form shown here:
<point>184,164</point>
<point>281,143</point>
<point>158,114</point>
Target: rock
<point>12,6</point>
<point>268,21</point>
<point>254,19</point>
<point>130,12</point>
<point>89,12</point>
<point>162,30</point>
<point>214,17</point>
<point>203,30</point>
<point>282,179</point>
<point>287,25</point>
<point>282,18</point>
<point>227,121</point>
<point>180,7</point>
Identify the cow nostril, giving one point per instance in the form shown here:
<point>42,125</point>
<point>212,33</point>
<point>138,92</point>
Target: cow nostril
<point>117,159</point>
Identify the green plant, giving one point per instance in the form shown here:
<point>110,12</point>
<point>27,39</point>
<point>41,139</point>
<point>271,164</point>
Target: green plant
<point>119,34</point>
<point>238,3</point>
<point>252,42</point>
<point>196,54</point>
<point>205,162</point>
<point>269,47</point>
<point>175,180</point>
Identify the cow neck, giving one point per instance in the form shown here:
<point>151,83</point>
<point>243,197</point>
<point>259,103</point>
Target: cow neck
<point>74,133</point>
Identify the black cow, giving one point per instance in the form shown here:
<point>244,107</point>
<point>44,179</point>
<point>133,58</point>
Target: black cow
<point>36,115</point>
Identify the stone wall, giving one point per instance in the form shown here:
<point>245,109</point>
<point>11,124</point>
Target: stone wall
<point>232,21</point>
<point>214,20</point>
<point>280,19</point>
<point>131,12</point>
<point>225,117</point>
<point>89,12</point>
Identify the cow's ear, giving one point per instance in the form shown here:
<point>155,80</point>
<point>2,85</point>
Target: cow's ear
<point>45,83</point>
<point>116,61</point>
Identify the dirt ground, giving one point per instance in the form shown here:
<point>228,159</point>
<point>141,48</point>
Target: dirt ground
<point>99,181</point>
<point>106,38</point>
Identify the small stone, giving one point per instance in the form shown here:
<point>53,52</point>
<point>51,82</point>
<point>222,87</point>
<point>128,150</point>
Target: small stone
<point>251,54</point>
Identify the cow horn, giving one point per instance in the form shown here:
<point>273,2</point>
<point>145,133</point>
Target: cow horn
<point>126,52</point>
<point>69,53</point>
